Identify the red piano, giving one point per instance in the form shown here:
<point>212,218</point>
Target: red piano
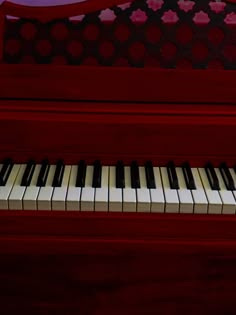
<point>118,157</point>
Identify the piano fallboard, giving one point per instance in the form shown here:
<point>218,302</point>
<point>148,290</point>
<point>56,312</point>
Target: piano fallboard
<point>69,112</point>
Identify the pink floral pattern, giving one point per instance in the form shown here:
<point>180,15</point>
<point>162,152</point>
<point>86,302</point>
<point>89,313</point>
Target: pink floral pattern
<point>170,17</point>
<point>138,16</point>
<point>186,5</point>
<point>217,7</point>
<point>230,19</point>
<point>201,18</point>
<point>107,15</point>
<point>165,34</point>
<point>155,4</point>
<point>124,6</point>
<point>77,18</point>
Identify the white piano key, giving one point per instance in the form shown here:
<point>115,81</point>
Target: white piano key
<point>115,194</point>
<point>32,191</point>
<point>157,194</point>
<point>17,193</point>
<point>88,192</point>
<point>73,193</point>
<point>171,195</point>
<point>6,190</point>
<point>129,194</point>
<point>185,196</point>
<point>143,193</point>
<point>199,196</point>
<point>59,193</point>
<point>44,200</point>
<point>213,197</point>
<point>101,194</point>
<point>227,197</point>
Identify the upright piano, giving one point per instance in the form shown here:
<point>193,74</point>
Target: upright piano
<point>117,157</point>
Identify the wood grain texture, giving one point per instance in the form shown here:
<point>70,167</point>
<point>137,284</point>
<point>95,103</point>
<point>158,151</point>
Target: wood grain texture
<point>2,30</point>
<point>112,131</point>
<point>117,84</point>
<point>69,112</point>
<point>68,271</point>
<point>80,263</point>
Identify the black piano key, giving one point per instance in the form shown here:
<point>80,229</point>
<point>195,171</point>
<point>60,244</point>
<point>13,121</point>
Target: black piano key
<point>150,175</point>
<point>5,171</point>
<point>227,177</point>
<point>188,176</point>
<point>80,179</point>
<point>135,180</point>
<point>120,175</point>
<point>28,173</point>
<point>43,174</point>
<point>97,174</point>
<point>59,172</point>
<point>212,177</point>
<point>173,179</point>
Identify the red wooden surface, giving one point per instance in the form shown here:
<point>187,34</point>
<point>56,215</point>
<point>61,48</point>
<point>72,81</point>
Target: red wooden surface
<point>156,135</point>
<point>129,114</point>
<point>48,13</point>
<point>55,263</point>
<point>117,84</point>
<point>81,263</point>
<point>1,35</point>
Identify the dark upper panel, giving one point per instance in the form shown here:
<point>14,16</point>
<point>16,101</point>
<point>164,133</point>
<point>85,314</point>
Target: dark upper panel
<point>152,33</point>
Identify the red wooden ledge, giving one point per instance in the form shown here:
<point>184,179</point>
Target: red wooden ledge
<point>118,84</point>
<point>47,13</point>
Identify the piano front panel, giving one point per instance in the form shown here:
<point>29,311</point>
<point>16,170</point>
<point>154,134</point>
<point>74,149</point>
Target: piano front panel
<point>93,264</point>
<point>157,136</point>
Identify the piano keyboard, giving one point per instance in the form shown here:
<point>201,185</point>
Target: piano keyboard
<point>119,188</point>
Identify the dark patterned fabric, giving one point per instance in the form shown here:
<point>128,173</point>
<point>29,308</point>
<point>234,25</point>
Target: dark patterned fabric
<point>151,33</point>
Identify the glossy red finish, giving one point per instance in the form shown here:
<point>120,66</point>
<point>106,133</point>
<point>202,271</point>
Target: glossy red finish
<point>47,13</point>
<point>65,263</point>
<point>70,112</point>
<point>132,264</point>
<point>104,263</point>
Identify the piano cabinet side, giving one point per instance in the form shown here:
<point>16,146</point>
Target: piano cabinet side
<point>2,26</point>
<point>113,264</point>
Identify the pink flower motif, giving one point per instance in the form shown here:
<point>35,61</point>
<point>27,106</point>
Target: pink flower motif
<point>170,17</point>
<point>107,15</point>
<point>138,16</point>
<point>186,5</point>
<point>201,18</point>
<point>230,19</point>
<point>155,4</point>
<point>124,6</point>
<point>217,7</point>
<point>77,18</point>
